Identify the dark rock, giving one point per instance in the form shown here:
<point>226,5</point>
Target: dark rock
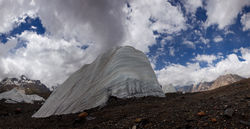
<point>144,122</point>
<point>187,126</point>
<point>229,112</point>
<point>247,97</point>
<point>81,117</point>
<point>138,120</point>
<point>18,111</point>
<point>96,127</point>
<point>90,118</point>
<point>141,123</point>
<point>189,119</point>
<point>4,114</point>
<point>245,122</point>
<point>78,121</point>
<point>205,125</point>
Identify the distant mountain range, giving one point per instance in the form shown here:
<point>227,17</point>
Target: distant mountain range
<point>24,83</point>
<point>204,86</point>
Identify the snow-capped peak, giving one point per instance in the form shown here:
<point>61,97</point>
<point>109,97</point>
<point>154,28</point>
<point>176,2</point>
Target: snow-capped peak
<point>19,81</point>
<point>24,83</point>
<point>23,77</point>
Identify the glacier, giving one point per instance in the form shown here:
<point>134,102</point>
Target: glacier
<point>18,96</point>
<point>122,72</point>
<point>168,88</point>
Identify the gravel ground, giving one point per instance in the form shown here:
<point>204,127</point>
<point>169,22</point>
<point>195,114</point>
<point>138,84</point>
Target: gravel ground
<point>227,107</point>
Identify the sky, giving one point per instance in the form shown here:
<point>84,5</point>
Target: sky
<point>186,41</point>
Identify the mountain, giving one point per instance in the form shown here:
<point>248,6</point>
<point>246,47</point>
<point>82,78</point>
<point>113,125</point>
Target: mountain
<point>204,86</point>
<point>219,82</point>
<point>225,80</point>
<point>18,96</point>
<point>184,89</point>
<point>122,72</point>
<point>24,83</point>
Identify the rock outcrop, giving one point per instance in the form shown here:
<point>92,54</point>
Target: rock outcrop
<point>24,83</point>
<point>204,86</point>
<point>225,80</point>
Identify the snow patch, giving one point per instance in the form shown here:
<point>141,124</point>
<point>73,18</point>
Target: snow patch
<point>18,96</point>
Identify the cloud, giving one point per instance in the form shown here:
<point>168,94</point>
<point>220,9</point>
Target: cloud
<point>192,5</point>
<point>204,40</point>
<point>146,16</point>
<point>205,58</point>
<point>69,25</point>
<point>181,75</point>
<point>223,12</point>
<point>245,21</point>
<point>171,51</point>
<point>12,13</point>
<point>5,48</point>
<point>49,59</point>
<point>189,44</point>
<point>33,27</point>
<point>218,39</point>
<point>98,21</point>
<point>87,21</point>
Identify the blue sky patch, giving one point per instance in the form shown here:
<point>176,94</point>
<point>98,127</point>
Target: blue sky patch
<point>233,37</point>
<point>30,24</point>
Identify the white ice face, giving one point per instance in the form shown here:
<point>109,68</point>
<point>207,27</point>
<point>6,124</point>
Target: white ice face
<point>122,72</point>
<point>18,96</point>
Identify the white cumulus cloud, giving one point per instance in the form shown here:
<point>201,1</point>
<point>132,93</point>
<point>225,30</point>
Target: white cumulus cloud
<point>205,58</point>
<point>245,21</point>
<point>146,16</point>
<point>218,39</point>
<point>46,58</point>
<point>12,10</point>
<point>192,5</point>
<point>181,75</point>
<point>189,44</point>
<point>224,12</point>
<point>99,24</point>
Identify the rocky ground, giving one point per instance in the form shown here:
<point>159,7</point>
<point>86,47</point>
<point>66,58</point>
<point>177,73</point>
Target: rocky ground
<point>227,107</point>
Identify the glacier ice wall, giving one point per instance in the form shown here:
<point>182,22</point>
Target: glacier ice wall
<point>122,72</point>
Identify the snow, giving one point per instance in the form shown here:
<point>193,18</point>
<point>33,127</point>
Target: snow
<point>168,89</point>
<point>10,101</point>
<point>23,77</point>
<point>18,96</point>
<point>22,80</point>
<point>122,72</point>
<point>8,81</point>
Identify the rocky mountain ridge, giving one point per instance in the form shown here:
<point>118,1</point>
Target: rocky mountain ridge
<point>225,80</point>
<point>204,86</point>
<point>24,83</point>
